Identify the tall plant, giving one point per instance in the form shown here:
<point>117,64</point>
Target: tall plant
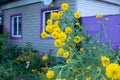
<point>85,58</point>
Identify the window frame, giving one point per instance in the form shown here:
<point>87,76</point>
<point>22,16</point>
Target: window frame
<point>17,16</point>
<point>42,18</point>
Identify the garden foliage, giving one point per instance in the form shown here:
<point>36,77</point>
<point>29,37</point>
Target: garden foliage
<point>23,63</point>
<point>85,57</point>
<point>81,57</point>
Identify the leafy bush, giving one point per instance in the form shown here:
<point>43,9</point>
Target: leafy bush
<point>3,39</point>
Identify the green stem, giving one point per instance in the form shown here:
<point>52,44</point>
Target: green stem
<point>59,74</point>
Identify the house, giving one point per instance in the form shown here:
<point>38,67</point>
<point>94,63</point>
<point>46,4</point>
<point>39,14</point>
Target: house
<point>24,19</point>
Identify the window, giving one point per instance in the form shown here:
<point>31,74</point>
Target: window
<point>45,15</point>
<point>16,26</point>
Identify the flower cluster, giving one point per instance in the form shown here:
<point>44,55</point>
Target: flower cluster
<point>63,33</point>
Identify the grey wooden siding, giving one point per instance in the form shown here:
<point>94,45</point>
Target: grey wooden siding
<point>31,24</point>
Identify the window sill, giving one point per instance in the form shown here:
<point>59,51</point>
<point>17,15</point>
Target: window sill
<point>15,38</point>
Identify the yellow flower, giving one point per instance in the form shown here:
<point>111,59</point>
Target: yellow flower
<point>55,16</point>
<point>60,52</point>
<point>77,15</point>
<point>99,16</point>
<point>33,70</point>
<point>68,30</point>
<point>50,74</point>
<point>57,22</point>
<point>77,24</point>
<point>44,58</point>
<point>62,36</point>
<point>78,39</point>
<point>60,13</point>
<point>49,22</point>
<point>58,43</point>
<point>62,44</point>
<point>105,61</point>
<point>40,73</point>
<point>64,6</point>
<point>88,78</point>
<point>68,39</point>
<point>81,49</point>
<point>55,35</point>
<point>55,26</point>
<point>88,67</point>
<point>52,5</point>
<point>66,54</point>
<point>106,19</point>
<point>68,60</point>
<point>44,68</point>
<point>57,29</point>
<point>49,28</point>
<point>113,71</point>
<point>44,35</point>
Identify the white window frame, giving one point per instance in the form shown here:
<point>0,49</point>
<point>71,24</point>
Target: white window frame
<point>51,11</point>
<point>17,26</point>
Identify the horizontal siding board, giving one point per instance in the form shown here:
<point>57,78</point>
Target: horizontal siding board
<point>92,7</point>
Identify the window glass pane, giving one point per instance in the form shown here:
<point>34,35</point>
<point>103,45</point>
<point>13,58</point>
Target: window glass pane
<point>19,26</point>
<point>55,11</point>
<point>47,16</point>
<point>15,25</point>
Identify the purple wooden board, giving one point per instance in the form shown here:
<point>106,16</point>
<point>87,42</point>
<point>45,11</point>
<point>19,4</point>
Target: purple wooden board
<point>111,28</point>
<point>0,11</point>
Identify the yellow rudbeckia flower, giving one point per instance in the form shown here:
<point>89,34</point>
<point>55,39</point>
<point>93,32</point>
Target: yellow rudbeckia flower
<point>77,15</point>
<point>105,61</point>
<point>60,52</point>
<point>64,6</point>
<point>99,16</point>
<point>68,30</point>
<point>68,60</point>
<point>55,16</point>
<point>113,71</point>
<point>66,54</point>
<point>55,34</point>
<point>50,74</point>
<point>78,39</point>
<point>44,35</point>
<point>81,49</point>
<point>49,22</point>
<point>44,58</point>
<point>49,28</point>
<point>62,36</point>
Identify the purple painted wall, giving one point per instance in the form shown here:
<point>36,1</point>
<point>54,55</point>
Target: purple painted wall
<point>0,11</point>
<point>109,31</point>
